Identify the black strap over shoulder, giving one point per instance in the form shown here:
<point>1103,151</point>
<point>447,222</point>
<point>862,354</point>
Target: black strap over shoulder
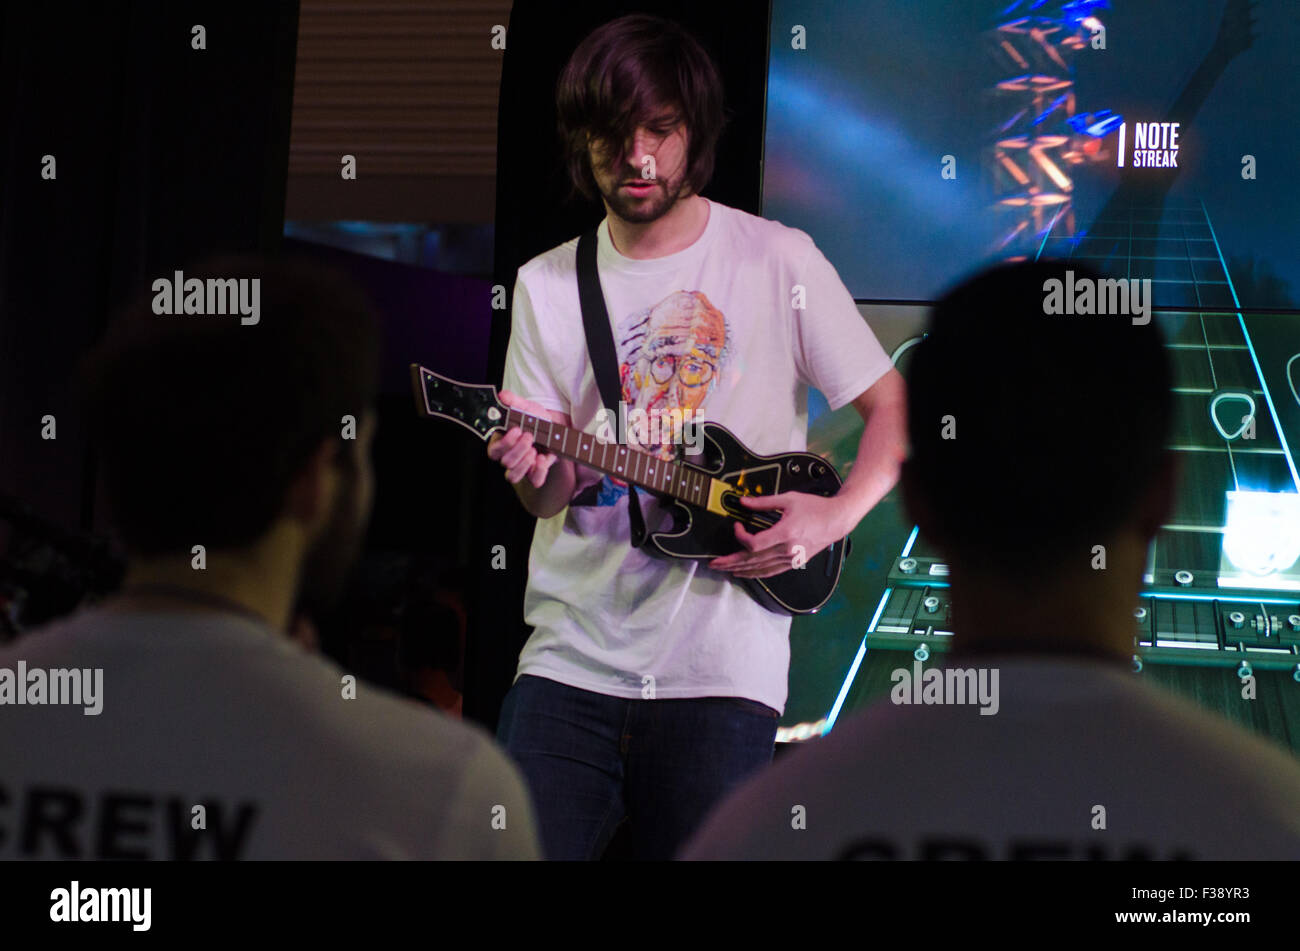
<point>604,359</point>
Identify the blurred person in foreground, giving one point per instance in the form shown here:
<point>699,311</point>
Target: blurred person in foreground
<point>1034,439</point>
<point>183,718</point>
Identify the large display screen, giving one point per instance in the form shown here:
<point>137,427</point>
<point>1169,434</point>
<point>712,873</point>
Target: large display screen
<point>1151,139</point>
<point>915,141</point>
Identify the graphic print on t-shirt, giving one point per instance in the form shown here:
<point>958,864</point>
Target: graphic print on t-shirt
<point>671,357</point>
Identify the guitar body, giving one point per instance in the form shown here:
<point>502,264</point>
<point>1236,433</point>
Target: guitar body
<point>701,534</point>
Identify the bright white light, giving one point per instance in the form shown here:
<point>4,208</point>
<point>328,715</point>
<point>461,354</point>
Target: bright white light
<point>800,731</point>
<point>1262,535</point>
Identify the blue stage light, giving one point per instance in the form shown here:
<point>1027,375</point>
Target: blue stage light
<point>1098,124</point>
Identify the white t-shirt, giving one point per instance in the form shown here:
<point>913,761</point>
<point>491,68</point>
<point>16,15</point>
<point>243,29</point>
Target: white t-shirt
<point>944,781</point>
<point>216,710</point>
<point>734,327</point>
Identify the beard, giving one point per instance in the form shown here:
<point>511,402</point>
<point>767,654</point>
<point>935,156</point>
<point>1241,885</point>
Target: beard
<point>648,208</point>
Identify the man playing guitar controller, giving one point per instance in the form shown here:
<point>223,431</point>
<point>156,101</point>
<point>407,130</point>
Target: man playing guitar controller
<point>651,686</point>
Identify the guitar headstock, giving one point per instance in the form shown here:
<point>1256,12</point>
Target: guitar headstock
<point>473,406</point>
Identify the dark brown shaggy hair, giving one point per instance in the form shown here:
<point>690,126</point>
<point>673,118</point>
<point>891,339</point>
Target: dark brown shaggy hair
<point>201,423</point>
<point>622,76</point>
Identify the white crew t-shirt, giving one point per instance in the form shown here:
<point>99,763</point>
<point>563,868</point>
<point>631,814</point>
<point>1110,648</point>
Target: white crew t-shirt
<point>215,710</point>
<point>1069,738</point>
<point>735,328</point>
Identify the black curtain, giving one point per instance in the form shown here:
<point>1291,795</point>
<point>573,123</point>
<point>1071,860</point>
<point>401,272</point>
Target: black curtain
<point>533,216</point>
<point>163,153</point>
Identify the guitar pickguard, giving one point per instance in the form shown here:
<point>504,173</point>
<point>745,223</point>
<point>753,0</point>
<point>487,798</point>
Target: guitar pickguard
<point>755,480</point>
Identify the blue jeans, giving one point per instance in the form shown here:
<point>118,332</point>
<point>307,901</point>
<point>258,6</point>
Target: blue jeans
<point>591,760</point>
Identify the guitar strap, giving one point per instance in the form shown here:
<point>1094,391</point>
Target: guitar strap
<point>604,359</point>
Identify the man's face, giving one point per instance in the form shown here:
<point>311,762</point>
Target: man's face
<point>642,178</point>
<point>331,558</point>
